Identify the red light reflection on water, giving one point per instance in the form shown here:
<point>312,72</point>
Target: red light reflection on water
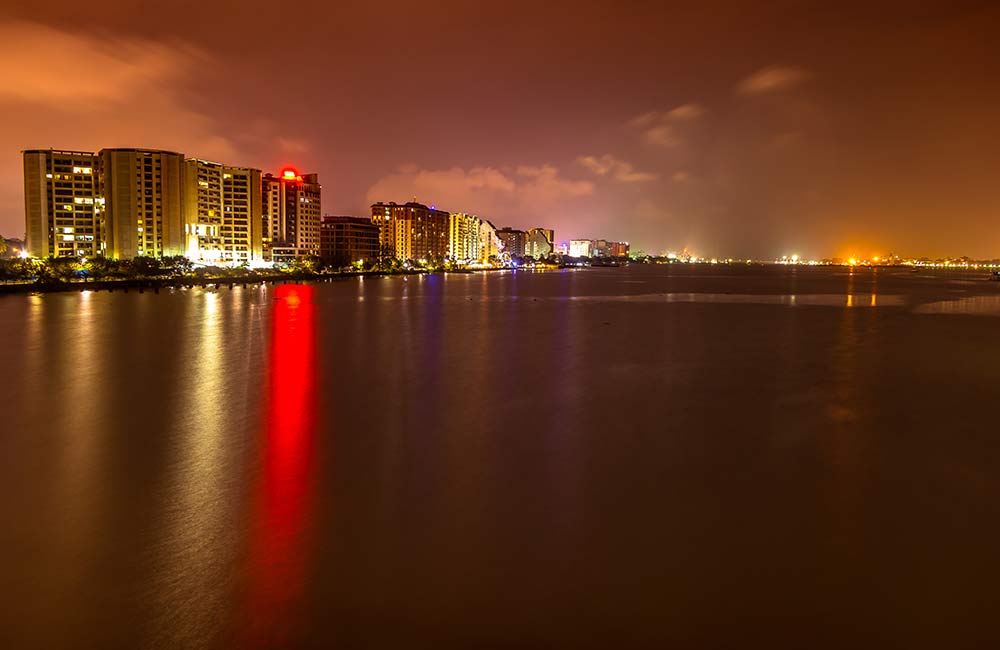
<point>282,491</point>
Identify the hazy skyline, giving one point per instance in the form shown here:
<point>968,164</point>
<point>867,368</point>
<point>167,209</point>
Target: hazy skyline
<point>732,128</point>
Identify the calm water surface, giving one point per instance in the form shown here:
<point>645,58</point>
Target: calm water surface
<point>605,458</point>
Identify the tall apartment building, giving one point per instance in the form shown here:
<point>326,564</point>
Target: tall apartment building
<point>142,211</point>
<point>600,248</point>
<point>412,231</point>
<point>463,237</point>
<point>540,243</point>
<point>123,203</point>
<point>62,203</point>
<point>619,249</point>
<point>345,240</point>
<point>513,241</point>
<point>222,213</point>
<point>292,213</point>
<point>580,247</point>
<point>489,243</point>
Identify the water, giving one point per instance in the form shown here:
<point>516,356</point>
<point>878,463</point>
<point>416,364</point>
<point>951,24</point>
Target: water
<point>643,457</point>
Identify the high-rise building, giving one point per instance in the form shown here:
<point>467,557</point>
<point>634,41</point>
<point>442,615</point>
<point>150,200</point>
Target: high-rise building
<point>580,248</point>
<point>463,237</point>
<point>540,243</point>
<point>142,193</point>
<point>412,231</point>
<point>600,248</point>
<point>489,243</point>
<point>124,203</point>
<point>345,240</point>
<point>619,249</point>
<point>222,213</point>
<point>62,203</point>
<point>513,241</point>
<point>292,211</point>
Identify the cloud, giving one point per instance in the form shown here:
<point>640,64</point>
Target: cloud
<point>661,127</point>
<point>78,90</point>
<point>487,191</point>
<point>608,165</point>
<point>773,78</point>
<point>681,177</point>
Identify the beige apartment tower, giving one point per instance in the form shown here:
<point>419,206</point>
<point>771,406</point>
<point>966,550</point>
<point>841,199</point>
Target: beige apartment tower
<point>463,237</point>
<point>412,231</point>
<point>62,203</point>
<point>143,215</point>
<point>222,213</point>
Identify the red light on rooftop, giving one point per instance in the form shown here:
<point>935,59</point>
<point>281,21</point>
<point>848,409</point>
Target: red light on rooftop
<point>289,173</point>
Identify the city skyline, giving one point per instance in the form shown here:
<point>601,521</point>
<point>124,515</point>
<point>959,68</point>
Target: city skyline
<point>669,127</point>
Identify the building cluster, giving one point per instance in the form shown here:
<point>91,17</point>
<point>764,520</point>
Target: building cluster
<point>126,202</point>
<point>414,231</point>
<point>597,248</point>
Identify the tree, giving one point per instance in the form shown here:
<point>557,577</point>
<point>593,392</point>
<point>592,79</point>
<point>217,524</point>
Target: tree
<point>141,267</point>
<point>179,264</point>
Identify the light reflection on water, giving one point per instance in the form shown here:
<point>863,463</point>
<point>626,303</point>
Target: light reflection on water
<point>973,305</point>
<point>788,300</point>
<point>483,460</point>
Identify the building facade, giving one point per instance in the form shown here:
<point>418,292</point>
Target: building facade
<point>292,213</point>
<point>540,243</point>
<point>580,248</point>
<point>489,243</point>
<point>346,240</point>
<point>412,231</point>
<point>513,241</point>
<point>222,213</point>
<point>62,203</point>
<point>600,248</point>
<point>125,203</point>
<point>463,237</point>
<point>142,193</point>
<point>619,249</point>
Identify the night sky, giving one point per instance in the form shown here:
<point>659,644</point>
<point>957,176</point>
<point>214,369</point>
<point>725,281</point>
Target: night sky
<point>731,128</point>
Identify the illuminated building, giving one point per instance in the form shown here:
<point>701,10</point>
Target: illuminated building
<point>292,212</point>
<point>619,249</point>
<point>463,237</point>
<point>489,243</point>
<point>580,247</point>
<point>412,231</point>
<point>142,212</point>
<point>125,203</point>
<point>222,213</point>
<point>539,243</point>
<point>513,241</point>
<point>600,248</point>
<point>345,240</point>
<point>61,203</point>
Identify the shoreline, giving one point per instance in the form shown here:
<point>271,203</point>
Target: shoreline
<point>155,284</point>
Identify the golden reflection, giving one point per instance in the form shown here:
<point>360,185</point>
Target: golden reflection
<point>195,518</point>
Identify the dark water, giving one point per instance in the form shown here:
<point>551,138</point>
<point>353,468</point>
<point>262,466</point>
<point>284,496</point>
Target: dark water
<point>646,457</point>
